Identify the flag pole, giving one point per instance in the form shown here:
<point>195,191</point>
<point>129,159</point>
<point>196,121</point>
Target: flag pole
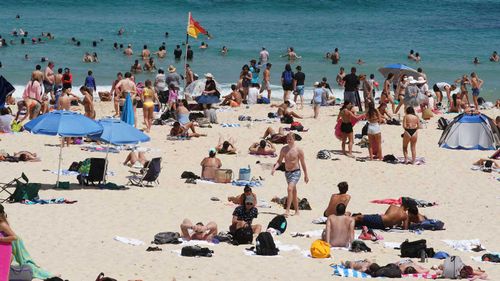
<point>185,54</point>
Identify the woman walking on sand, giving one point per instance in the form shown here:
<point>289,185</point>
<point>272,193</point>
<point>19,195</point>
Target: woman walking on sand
<point>410,135</point>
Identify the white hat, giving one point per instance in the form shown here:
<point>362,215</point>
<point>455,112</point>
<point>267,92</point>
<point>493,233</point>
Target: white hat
<point>209,75</point>
<point>411,80</point>
<point>316,84</point>
<point>421,80</point>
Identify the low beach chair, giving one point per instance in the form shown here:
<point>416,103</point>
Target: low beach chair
<point>147,175</point>
<point>13,184</point>
<point>96,172</point>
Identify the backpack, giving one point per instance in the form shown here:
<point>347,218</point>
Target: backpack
<point>304,204</point>
<point>166,238</point>
<point>390,158</point>
<point>264,245</point>
<point>452,266</point>
<point>189,175</point>
<point>364,131</point>
<point>391,271</point>
<point>243,235</point>
<point>20,273</point>
<point>324,154</point>
<point>196,251</point>
<point>413,249</point>
<point>296,126</point>
<point>287,119</point>
<point>287,77</point>
<point>279,223</point>
<point>359,246</point>
<point>443,123</point>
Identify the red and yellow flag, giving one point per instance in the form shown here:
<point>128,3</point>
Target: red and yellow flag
<point>194,28</point>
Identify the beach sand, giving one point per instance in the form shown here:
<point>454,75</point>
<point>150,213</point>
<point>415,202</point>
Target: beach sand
<point>76,240</point>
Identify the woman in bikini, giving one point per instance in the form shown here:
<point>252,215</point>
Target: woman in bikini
<point>410,135</point>
<point>386,91</point>
<point>400,91</point>
<point>374,134</point>
<point>346,131</point>
<point>149,97</point>
<point>464,93</point>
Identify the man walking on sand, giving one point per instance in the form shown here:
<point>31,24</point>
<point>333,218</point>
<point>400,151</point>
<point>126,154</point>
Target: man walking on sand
<point>294,161</point>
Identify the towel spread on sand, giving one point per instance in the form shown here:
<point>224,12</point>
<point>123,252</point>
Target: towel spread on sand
<point>194,242</point>
<point>22,257</point>
<point>178,138</point>
<point>66,172</point>
<point>100,149</point>
<point>130,241</point>
<point>340,270</point>
<point>391,201</point>
<point>245,183</point>
<point>392,245</point>
<point>253,254</point>
<point>59,200</point>
<point>463,245</point>
<point>199,181</point>
<point>320,220</point>
<point>286,247</point>
<point>421,275</point>
<point>264,155</point>
<point>230,125</point>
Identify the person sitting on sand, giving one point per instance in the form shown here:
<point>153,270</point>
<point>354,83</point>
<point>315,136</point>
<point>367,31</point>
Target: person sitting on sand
<point>338,198</point>
<point>226,147</point>
<point>182,112</point>
<point>133,158</point>
<point>382,109</point>
<point>209,165</point>
<point>243,216</point>
<point>283,110</point>
<point>234,99</point>
<point>393,216</point>
<point>179,130</point>
<point>240,199</point>
<point>339,230</point>
<point>264,147</point>
<point>190,231</point>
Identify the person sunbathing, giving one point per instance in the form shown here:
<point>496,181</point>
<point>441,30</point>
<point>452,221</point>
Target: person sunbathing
<point>283,110</point>
<point>183,131</point>
<point>407,266</point>
<point>275,137</point>
<point>190,231</point>
<point>21,156</point>
<point>264,147</point>
<point>240,199</point>
<point>488,163</point>
<point>209,165</point>
<point>393,216</point>
<point>133,158</point>
<point>338,198</point>
<point>339,230</point>
<point>226,147</point>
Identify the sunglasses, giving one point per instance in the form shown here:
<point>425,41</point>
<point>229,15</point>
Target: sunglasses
<point>250,204</point>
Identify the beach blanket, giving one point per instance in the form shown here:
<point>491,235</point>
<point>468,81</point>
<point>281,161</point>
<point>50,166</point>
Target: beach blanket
<point>245,183</point>
<point>253,254</point>
<point>129,241</point>
<point>340,270</point>
<point>421,275</point>
<point>178,138</point>
<point>264,155</point>
<point>391,201</point>
<point>22,257</point>
<point>66,172</point>
<point>320,220</point>
<point>230,125</point>
<point>463,245</point>
<point>59,200</point>
<point>392,245</point>
<point>100,149</point>
<point>418,160</point>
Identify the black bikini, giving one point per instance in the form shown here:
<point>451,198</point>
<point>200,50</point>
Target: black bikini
<point>411,132</point>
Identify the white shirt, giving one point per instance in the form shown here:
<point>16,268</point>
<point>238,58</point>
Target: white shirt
<point>441,85</point>
<point>253,94</point>
<point>160,83</point>
<point>264,55</point>
<point>5,121</point>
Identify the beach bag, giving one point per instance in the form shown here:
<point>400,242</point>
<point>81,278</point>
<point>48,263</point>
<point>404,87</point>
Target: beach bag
<point>287,119</point>
<point>442,123</point>
<point>167,238</point>
<point>279,223</point>
<point>304,204</point>
<point>243,235</point>
<point>413,249</point>
<point>101,277</point>
<point>189,175</point>
<point>264,245</point>
<point>323,154</point>
<point>389,158</point>
<point>287,77</point>
<point>271,115</point>
<point>296,126</point>
<point>320,249</point>
<point>196,251</point>
<point>223,176</point>
<point>390,271</point>
<point>427,114</point>
<point>359,246</point>
<point>452,266</point>
<point>16,127</point>
<point>20,273</point>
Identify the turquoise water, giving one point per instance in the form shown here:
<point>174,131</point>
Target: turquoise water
<point>447,34</point>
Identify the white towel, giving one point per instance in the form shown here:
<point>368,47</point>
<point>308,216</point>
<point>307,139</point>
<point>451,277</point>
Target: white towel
<point>130,241</point>
<point>463,245</point>
<point>194,242</point>
<point>286,247</point>
<point>253,254</point>
<point>204,181</point>
<point>392,245</point>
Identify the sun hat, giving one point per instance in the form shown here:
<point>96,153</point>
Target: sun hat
<point>421,80</point>
<point>209,75</point>
<point>316,84</point>
<point>171,68</point>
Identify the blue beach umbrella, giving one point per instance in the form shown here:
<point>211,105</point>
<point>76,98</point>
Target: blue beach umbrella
<point>399,69</point>
<point>6,89</point>
<point>128,111</point>
<point>63,124</point>
<point>117,132</point>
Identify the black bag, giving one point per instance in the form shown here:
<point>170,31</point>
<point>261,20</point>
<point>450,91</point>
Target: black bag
<point>189,175</point>
<point>101,277</point>
<point>279,223</point>
<point>75,166</point>
<point>389,158</point>
<point>364,131</point>
<point>359,246</point>
<point>195,115</point>
<point>271,115</point>
<point>443,123</point>
<point>287,119</point>
<point>243,235</point>
<point>413,249</point>
<point>20,273</point>
<point>390,271</point>
<point>167,238</point>
<point>196,251</point>
<point>168,114</point>
<point>264,245</point>
<point>304,204</point>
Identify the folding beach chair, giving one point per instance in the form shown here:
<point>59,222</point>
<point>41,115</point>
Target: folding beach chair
<point>148,174</point>
<point>4,188</point>
<point>96,172</point>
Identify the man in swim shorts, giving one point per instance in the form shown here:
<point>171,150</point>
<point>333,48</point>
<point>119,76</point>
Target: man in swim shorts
<point>294,161</point>
<point>394,216</point>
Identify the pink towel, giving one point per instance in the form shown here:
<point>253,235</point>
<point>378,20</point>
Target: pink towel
<point>387,201</point>
<point>421,275</point>
<point>5,256</point>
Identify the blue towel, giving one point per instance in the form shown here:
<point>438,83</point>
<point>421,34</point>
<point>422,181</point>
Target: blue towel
<point>245,183</point>
<point>128,111</point>
<point>340,270</point>
<point>229,125</point>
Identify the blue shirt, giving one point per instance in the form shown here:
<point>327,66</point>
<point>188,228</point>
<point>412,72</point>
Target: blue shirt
<point>255,75</point>
<point>90,82</point>
<point>318,94</point>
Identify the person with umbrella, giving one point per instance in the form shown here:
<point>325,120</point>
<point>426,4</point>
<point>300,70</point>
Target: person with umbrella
<point>210,94</point>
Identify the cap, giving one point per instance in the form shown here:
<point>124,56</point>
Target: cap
<point>249,199</point>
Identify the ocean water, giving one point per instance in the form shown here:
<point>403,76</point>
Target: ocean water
<point>447,34</point>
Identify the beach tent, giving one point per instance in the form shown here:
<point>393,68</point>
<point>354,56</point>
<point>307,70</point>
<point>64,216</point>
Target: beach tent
<point>471,132</point>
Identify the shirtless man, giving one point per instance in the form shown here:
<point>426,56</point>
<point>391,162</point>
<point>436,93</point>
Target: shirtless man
<point>275,137</point>
<point>209,165</point>
<point>283,110</point>
<point>198,231</point>
<point>48,79</point>
<point>114,94</point>
<point>294,162</point>
<point>234,99</point>
<point>394,216</point>
<point>266,81</point>
<point>339,230</point>
<point>262,148</point>
<point>64,101</point>
<point>476,84</point>
<point>338,198</point>
<point>124,87</point>
<point>189,75</point>
<point>88,102</point>
<point>128,51</point>
<point>57,86</point>
<point>145,53</point>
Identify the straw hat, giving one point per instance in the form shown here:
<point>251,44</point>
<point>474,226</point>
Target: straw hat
<point>171,68</point>
<point>421,80</point>
<point>316,84</point>
<point>209,75</point>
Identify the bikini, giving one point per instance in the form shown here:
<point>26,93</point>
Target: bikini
<point>148,95</point>
<point>411,132</point>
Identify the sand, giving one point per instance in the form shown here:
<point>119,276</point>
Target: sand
<point>76,240</point>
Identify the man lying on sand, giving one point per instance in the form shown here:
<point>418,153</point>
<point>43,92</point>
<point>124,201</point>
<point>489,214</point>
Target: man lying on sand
<point>283,110</point>
<point>226,147</point>
<point>190,231</point>
<point>21,156</point>
<point>339,230</point>
<point>264,147</point>
<point>394,216</point>
<point>338,198</point>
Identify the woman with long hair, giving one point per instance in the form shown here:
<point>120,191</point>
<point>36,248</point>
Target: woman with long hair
<point>410,135</point>
<point>7,236</point>
<point>149,97</point>
<point>400,91</point>
<point>374,134</point>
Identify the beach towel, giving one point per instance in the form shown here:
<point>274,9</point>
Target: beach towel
<point>340,270</point>
<point>463,245</point>
<point>245,183</point>
<point>130,241</point>
<point>230,125</point>
<point>391,201</point>
<point>178,138</point>
<point>392,245</point>
<point>421,275</point>
<point>65,172</point>
<point>303,130</point>
<point>128,111</point>
<point>253,254</point>
<point>100,149</point>
<point>22,257</point>
<point>320,220</point>
<point>48,201</point>
<point>264,155</point>
<point>199,181</point>
<point>286,247</point>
